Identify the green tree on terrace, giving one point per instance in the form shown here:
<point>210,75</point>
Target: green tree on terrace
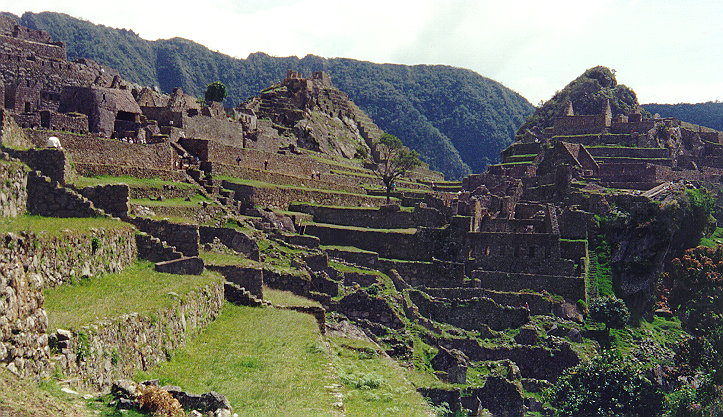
<point>395,160</point>
<point>216,91</point>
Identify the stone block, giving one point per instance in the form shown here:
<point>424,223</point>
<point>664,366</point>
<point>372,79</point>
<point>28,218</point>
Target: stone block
<point>181,266</point>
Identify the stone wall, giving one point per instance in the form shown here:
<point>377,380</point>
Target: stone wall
<point>111,198</point>
<point>251,196</point>
<point>252,279</point>
<point>51,162</point>
<point>23,322</point>
<point>67,255</point>
<point>572,288</point>
<point>48,198</point>
<point>13,188</point>
<point>184,237</point>
<point>538,303</point>
<point>93,150</point>
<point>470,314</point>
<point>387,244</point>
<point>435,274</point>
<point>232,239</point>
<point>373,217</point>
<point>114,349</point>
<point>11,135</point>
<point>91,170</point>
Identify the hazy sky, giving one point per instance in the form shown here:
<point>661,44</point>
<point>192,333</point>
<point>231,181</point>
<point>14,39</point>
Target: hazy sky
<point>667,51</point>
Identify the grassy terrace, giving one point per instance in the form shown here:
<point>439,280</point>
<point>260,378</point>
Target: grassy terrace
<point>261,184</point>
<point>130,181</point>
<point>138,289</point>
<point>344,248</point>
<point>715,239</point>
<point>171,202</point>
<point>267,362</point>
<point>287,298</point>
<point>55,225</point>
<point>409,231</point>
<point>373,384</point>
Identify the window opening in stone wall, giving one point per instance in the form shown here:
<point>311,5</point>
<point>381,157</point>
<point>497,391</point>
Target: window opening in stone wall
<point>27,107</point>
<point>124,115</point>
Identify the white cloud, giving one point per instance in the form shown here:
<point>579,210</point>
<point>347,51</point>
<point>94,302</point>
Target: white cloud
<point>667,50</point>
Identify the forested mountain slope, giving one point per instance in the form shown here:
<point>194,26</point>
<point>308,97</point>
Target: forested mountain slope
<point>457,119</point>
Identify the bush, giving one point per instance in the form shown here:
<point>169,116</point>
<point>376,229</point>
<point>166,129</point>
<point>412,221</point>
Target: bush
<point>609,310</point>
<point>606,386</point>
<point>159,402</point>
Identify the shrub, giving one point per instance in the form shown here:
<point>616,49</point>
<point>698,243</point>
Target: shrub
<point>609,310</point>
<point>606,386</point>
<point>159,402</point>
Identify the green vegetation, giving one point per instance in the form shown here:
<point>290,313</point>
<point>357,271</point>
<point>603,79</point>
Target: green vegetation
<point>215,91</point>
<point>56,225</point>
<point>601,268</point>
<point>709,114</point>
<point>588,94</point>
<point>396,159</point>
<point>408,231</point>
<point>171,202</point>
<point>456,119</point>
<point>714,239</point>
<point>132,182</point>
<point>609,310</point>
<point>609,385</point>
<point>28,398</point>
<point>267,362</point>
<point>137,289</point>
<point>373,384</point>
<point>287,298</point>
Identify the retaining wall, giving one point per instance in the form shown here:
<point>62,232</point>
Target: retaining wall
<point>108,350</point>
<point>13,188</point>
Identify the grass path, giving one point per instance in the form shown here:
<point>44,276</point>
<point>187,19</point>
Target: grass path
<point>267,362</point>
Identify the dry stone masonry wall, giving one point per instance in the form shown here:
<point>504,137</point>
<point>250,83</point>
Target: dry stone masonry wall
<point>13,188</point>
<point>113,349</point>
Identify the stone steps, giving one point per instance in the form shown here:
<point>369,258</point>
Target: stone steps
<point>238,295</point>
<point>153,249</point>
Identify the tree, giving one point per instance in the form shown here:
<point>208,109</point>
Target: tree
<point>395,160</point>
<point>215,91</point>
<point>609,310</point>
<point>608,385</point>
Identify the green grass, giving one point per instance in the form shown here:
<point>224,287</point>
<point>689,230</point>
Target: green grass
<point>225,259</point>
<point>287,298</point>
<point>267,362</point>
<point>603,276</point>
<point>55,225</point>
<point>373,384</point>
<point>28,398</point>
<point>408,231</point>
<point>171,202</point>
<point>664,333</point>
<point>344,248</point>
<point>132,182</point>
<point>268,185</point>
<point>138,289</point>
<point>715,239</point>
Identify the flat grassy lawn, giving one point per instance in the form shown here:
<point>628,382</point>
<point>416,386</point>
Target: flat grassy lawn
<point>139,288</point>
<point>130,181</point>
<point>267,362</point>
<point>373,384</point>
<point>54,225</point>
<point>171,202</point>
<point>287,298</point>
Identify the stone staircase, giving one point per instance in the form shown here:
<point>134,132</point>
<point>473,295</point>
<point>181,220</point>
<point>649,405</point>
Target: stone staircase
<point>155,250</point>
<point>238,295</point>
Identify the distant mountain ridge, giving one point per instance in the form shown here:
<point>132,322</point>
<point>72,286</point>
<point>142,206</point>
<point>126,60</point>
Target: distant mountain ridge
<point>708,114</point>
<point>458,120</point>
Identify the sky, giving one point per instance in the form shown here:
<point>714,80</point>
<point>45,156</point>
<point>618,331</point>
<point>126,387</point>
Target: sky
<point>667,51</point>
